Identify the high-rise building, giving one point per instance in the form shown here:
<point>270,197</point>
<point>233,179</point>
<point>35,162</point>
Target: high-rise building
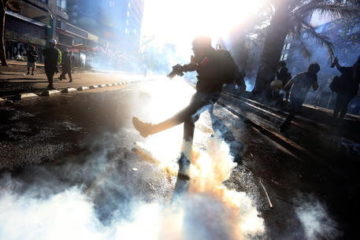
<point>37,21</point>
<point>117,21</point>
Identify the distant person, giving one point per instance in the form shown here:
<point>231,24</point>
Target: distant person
<point>66,66</point>
<point>31,60</point>
<point>300,86</point>
<point>346,87</point>
<point>214,68</point>
<point>51,59</point>
<point>284,76</point>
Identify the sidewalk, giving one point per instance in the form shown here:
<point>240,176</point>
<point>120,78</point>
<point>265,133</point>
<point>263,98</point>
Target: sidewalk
<point>13,83</point>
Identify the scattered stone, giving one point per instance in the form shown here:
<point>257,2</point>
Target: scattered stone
<point>94,86</point>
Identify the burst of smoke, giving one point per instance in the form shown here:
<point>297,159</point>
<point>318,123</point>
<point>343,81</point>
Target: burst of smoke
<point>316,221</point>
<point>209,211</point>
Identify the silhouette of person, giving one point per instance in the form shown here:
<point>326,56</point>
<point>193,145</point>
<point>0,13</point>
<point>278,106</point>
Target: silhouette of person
<point>300,86</point>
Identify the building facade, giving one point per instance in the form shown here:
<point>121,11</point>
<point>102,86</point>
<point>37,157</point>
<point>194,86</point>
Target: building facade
<point>116,21</point>
<point>38,21</point>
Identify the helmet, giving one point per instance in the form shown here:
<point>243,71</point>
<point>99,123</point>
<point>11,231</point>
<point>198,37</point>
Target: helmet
<point>201,42</point>
<point>53,41</point>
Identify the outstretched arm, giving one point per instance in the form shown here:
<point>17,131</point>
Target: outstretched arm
<point>338,66</point>
<point>180,69</point>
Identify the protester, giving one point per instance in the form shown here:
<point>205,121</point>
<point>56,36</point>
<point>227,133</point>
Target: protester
<point>346,87</point>
<point>31,60</point>
<point>66,66</point>
<point>51,58</point>
<point>214,68</point>
<point>300,86</point>
<point>284,76</point>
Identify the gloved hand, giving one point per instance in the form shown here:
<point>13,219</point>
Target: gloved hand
<point>176,70</point>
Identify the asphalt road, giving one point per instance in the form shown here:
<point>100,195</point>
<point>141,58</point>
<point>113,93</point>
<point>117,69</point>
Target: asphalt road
<point>85,141</point>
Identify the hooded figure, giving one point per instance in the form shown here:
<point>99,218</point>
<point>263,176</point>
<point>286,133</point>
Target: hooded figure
<point>51,59</point>
<point>346,88</point>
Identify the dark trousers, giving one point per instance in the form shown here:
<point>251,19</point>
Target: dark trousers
<point>341,104</point>
<point>64,72</point>
<point>188,115</point>
<point>50,75</point>
<point>295,106</point>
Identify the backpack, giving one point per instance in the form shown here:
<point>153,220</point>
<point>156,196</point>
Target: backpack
<point>230,71</point>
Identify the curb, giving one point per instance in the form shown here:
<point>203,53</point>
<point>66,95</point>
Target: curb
<point>68,90</point>
<point>82,88</point>
<point>50,92</point>
<point>27,95</point>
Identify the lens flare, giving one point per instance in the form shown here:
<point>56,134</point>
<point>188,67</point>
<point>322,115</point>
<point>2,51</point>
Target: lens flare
<point>179,21</point>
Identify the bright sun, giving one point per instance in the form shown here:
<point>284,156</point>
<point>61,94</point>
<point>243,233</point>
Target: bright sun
<point>179,21</point>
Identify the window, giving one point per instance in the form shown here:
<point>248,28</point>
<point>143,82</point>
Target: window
<point>61,4</point>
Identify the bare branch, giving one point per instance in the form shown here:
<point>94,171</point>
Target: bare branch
<point>323,40</point>
<point>324,7</point>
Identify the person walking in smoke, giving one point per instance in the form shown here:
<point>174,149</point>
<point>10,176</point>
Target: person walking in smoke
<point>215,67</point>
<point>346,87</point>
<point>66,66</point>
<point>300,86</point>
<point>284,76</point>
<point>31,60</point>
<point>52,57</point>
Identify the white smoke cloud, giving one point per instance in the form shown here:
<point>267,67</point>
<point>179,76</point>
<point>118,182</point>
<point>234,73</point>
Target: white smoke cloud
<point>316,221</point>
<point>85,200</point>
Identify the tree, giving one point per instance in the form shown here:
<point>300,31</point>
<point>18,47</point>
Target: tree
<point>291,18</point>
<point>4,5</point>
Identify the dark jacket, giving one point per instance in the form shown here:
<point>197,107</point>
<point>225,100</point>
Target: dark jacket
<point>283,75</point>
<point>31,56</point>
<point>348,84</point>
<point>66,62</point>
<point>214,70</point>
<point>51,58</point>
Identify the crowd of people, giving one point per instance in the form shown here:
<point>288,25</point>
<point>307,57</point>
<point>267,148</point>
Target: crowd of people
<point>53,57</point>
<point>213,68</point>
<point>295,89</point>
<point>284,88</point>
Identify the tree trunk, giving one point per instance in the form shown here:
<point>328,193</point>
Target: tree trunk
<point>2,35</point>
<point>273,45</point>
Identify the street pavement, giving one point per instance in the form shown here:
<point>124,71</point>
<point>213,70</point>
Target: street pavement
<point>60,141</point>
<point>14,80</point>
